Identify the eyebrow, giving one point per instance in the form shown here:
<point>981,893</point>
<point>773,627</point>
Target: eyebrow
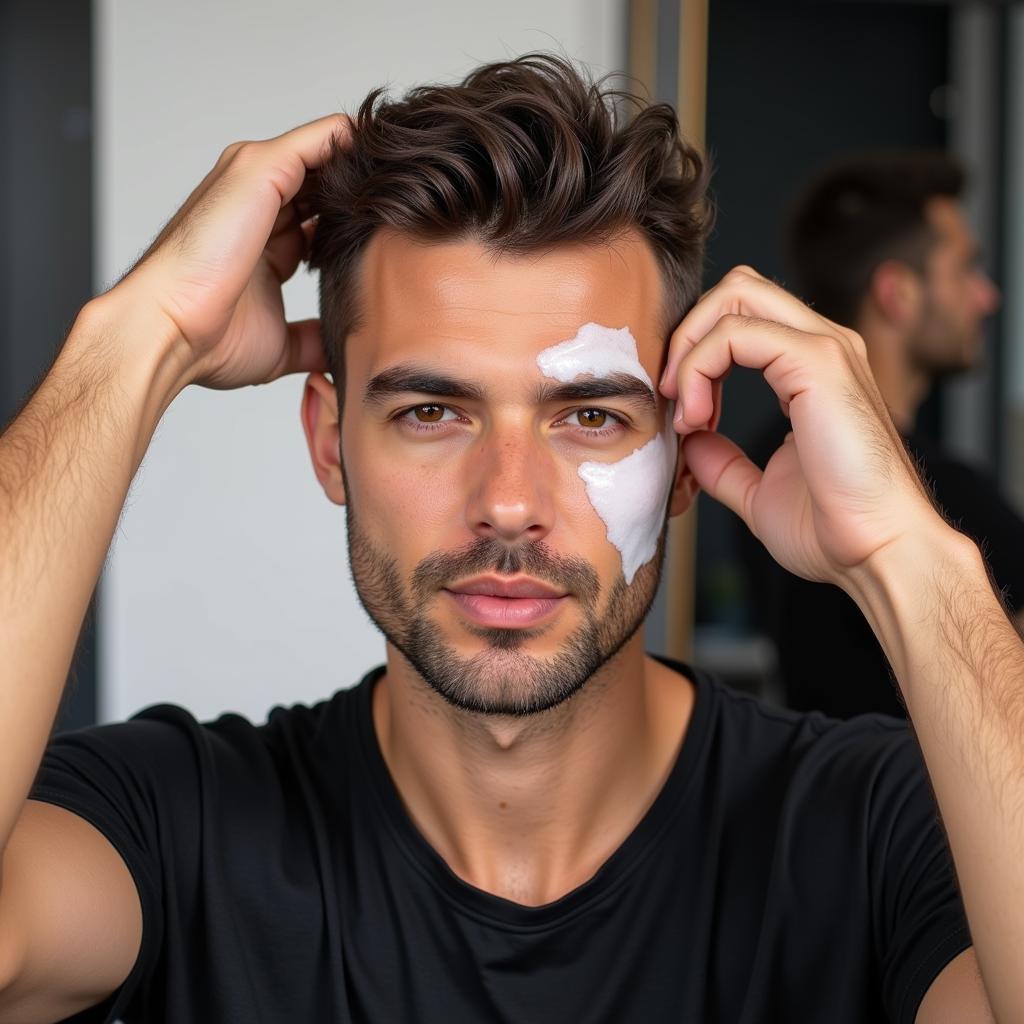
<point>405,378</point>
<point>411,379</point>
<point>616,385</point>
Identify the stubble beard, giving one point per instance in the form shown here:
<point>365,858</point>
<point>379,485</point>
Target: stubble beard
<point>503,678</point>
<point>941,346</point>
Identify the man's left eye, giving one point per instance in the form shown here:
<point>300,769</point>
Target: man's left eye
<point>594,419</point>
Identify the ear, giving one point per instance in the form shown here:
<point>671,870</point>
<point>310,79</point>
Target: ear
<point>896,290</point>
<point>323,434</point>
<point>684,486</point>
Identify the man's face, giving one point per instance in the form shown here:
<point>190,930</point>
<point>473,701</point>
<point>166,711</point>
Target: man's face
<point>958,296</point>
<point>474,544</point>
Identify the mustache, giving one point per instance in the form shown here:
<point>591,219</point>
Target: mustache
<point>534,558</point>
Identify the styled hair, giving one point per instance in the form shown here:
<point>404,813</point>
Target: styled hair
<point>520,156</point>
<point>860,212</point>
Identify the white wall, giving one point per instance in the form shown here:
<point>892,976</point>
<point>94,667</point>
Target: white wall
<point>227,587</point>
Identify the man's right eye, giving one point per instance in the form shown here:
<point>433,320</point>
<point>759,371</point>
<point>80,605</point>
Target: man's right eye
<point>428,415</point>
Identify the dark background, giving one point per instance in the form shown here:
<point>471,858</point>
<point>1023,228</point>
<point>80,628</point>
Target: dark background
<point>791,86</point>
<point>46,212</point>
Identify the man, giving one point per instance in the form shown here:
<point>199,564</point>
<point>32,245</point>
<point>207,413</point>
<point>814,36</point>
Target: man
<point>880,242</point>
<point>521,816</point>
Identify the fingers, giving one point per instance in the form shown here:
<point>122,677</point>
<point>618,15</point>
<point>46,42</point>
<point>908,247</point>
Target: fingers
<point>306,199</point>
<point>742,292</point>
<point>289,159</point>
<point>304,352</point>
<point>723,471</point>
<point>783,354</point>
<point>293,158</point>
<point>288,244</point>
<point>258,181</point>
<point>308,233</point>
<point>311,142</point>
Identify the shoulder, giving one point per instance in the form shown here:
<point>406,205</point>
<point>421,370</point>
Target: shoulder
<point>799,735</point>
<point>165,749</point>
<point>808,761</point>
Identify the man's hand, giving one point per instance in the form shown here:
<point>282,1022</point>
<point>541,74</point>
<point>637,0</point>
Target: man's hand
<point>203,305</point>
<point>840,501</point>
<point>215,271</point>
<point>841,488</point>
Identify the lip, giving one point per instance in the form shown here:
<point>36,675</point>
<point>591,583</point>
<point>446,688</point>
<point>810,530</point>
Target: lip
<point>501,603</point>
<point>502,586</point>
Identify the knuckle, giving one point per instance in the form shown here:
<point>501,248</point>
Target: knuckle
<point>856,341</point>
<point>831,347</point>
<point>230,150</point>
<point>240,151</point>
<point>343,128</point>
<point>743,272</point>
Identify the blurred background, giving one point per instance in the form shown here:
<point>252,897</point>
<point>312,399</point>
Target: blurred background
<point>227,586</point>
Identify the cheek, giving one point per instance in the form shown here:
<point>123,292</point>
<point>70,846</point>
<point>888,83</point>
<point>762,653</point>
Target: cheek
<point>630,497</point>
<point>402,503</point>
<point>581,528</point>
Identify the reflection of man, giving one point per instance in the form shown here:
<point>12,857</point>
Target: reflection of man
<point>880,242</point>
<point>521,816</point>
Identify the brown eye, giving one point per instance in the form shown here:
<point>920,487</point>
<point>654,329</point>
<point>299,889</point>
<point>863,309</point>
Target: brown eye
<point>592,418</point>
<point>429,413</point>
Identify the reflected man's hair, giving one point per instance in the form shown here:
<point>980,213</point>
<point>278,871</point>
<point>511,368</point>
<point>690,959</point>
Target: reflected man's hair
<point>860,212</point>
<point>520,156</point>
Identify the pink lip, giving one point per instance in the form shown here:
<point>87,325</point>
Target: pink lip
<point>505,612</point>
<point>499,586</point>
<point>505,604</point>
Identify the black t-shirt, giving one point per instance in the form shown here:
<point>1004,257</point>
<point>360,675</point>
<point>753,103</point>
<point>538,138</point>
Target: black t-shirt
<point>829,659</point>
<point>791,869</point>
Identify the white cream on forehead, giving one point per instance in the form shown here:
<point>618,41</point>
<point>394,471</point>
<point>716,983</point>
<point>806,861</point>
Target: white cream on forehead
<point>596,351</point>
<point>630,495</point>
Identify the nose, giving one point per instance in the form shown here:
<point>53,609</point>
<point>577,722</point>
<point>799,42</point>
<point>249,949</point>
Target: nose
<point>510,497</point>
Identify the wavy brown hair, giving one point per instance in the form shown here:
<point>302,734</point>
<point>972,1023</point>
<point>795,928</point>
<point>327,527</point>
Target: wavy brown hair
<point>520,156</point>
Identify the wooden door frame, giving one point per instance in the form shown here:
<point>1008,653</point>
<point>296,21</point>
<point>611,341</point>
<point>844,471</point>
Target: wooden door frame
<point>668,59</point>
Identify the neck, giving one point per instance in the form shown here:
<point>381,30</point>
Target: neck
<point>529,808</point>
<point>903,386</point>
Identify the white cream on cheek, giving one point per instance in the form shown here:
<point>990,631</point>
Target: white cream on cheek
<point>630,495</point>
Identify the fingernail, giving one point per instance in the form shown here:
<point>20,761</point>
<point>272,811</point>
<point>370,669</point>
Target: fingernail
<point>677,420</point>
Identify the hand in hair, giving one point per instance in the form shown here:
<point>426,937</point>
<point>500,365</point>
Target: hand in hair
<point>841,488</point>
<point>215,271</point>
<point>841,501</point>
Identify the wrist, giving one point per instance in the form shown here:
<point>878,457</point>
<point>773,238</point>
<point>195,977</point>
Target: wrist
<point>139,352</point>
<point>139,345</point>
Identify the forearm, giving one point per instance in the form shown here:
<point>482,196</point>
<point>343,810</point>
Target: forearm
<point>960,664</point>
<point>66,463</point>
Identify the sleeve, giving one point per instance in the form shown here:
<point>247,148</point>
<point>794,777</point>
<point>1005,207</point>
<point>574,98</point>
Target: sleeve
<point>918,917</point>
<point>121,778</point>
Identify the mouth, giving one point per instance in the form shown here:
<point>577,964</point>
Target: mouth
<point>502,603</point>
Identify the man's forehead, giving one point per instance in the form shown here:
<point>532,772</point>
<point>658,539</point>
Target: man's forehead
<point>416,293</point>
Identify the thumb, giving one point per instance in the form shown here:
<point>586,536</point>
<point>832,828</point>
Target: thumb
<point>722,470</point>
<point>305,350</point>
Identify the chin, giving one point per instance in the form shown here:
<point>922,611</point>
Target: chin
<point>503,678</point>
